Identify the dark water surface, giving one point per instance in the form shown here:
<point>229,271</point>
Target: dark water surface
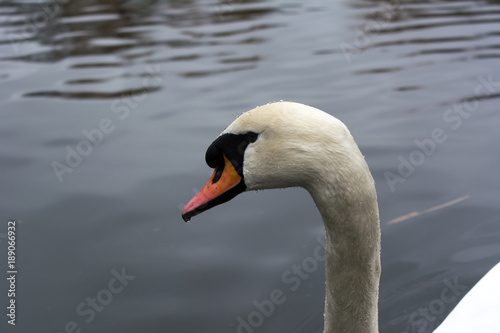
<point>107,107</point>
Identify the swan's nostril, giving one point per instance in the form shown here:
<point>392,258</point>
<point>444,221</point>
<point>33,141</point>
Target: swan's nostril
<point>218,173</point>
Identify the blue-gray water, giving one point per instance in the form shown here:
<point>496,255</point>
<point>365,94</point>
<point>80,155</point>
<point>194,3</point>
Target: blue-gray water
<point>107,107</point>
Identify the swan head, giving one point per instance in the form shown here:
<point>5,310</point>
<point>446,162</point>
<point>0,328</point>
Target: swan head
<point>278,145</point>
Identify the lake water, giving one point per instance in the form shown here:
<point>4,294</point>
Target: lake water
<point>107,108</point>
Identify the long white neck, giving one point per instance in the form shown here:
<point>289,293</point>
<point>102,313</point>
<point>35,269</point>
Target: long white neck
<point>347,202</point>
<point>303,146</point>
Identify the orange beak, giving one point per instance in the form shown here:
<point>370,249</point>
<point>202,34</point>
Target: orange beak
<point>221,187</point>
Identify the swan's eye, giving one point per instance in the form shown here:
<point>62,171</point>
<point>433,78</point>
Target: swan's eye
<point>218,174</point>
<point>252,137</point>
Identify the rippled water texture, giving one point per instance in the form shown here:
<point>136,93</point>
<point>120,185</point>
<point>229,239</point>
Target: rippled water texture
<point>107,108</point>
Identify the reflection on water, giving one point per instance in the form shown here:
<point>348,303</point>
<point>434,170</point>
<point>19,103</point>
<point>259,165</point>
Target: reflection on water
<point>107,109</point>
<point>117,35</point>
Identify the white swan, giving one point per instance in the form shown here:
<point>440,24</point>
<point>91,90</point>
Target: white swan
<point>287,144</point>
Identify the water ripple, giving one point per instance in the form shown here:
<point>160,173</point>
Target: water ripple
<point>92,94</point>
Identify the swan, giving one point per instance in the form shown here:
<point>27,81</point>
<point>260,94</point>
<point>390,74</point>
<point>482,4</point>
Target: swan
<point>287,144</point>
